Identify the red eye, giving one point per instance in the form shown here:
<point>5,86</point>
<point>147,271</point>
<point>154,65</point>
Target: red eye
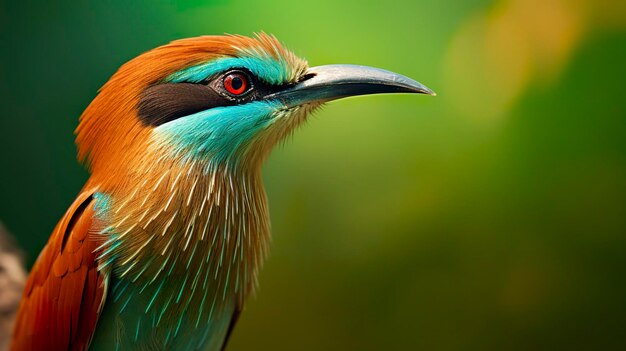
<point>236,83</point>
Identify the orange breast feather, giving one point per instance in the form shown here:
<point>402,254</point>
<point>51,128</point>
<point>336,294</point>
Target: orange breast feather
<point>64,292</point>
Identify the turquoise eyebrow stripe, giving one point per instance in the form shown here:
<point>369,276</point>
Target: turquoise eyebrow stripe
<point>268,69</point>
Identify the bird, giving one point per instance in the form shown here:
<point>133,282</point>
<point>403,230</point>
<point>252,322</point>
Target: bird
<point>165,240</point>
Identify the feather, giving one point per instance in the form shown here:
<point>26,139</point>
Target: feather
<point>53,313</point>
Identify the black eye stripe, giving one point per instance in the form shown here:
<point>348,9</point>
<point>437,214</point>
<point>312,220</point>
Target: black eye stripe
<point>165,102</point>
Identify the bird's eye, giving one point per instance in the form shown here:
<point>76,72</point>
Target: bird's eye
<point>236,83</point>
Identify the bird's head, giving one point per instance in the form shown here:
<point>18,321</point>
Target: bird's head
<point>218,101</point>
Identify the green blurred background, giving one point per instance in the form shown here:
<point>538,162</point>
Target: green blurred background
<point>492,217</point>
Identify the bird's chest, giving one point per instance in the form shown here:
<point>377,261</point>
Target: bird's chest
<point>135,320</point>
<point>179,270</point>
<point>176,300</point>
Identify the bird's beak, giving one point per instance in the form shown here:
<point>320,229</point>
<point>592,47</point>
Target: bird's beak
<point>331,82</point>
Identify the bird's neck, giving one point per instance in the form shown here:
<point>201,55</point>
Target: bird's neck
<point>202,232</point>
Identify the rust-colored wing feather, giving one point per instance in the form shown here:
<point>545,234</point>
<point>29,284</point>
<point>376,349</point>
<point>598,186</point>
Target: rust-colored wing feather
<point>64,293</point>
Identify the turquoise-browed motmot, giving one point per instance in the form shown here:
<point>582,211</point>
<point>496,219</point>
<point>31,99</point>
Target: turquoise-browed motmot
<point>165,240</point>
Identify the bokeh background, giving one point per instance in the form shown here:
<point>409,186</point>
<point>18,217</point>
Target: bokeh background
<point>492,217</point>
